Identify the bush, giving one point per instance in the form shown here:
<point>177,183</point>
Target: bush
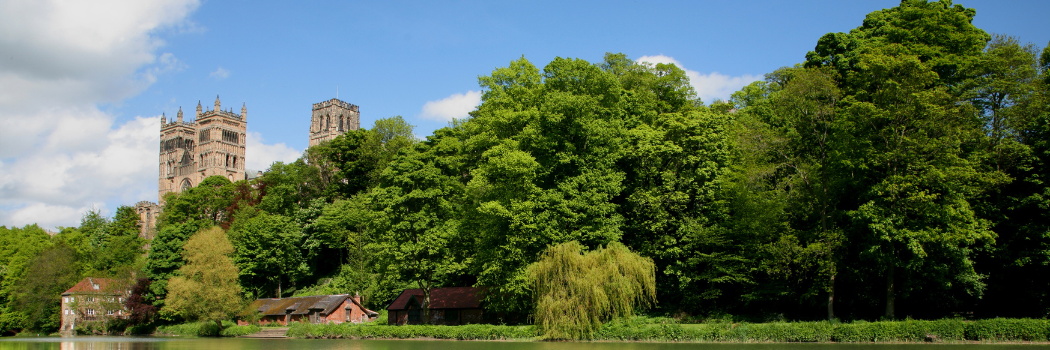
<point>376,331</point>
<point>206,329</point>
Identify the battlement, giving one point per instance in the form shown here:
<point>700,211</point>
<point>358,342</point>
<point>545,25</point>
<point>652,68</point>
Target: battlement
<point>222,113</point>
<point>338,103</point>
<point>145,204</point>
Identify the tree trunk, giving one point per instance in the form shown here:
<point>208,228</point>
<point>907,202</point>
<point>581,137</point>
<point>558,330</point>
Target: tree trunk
<point>426,306</point>
<point>831,299</point>
<point>891,297</point>
<point>218,322</point>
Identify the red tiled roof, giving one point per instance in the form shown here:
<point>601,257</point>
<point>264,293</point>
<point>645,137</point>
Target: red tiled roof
<point>92,285</point>
<point>440,298</point>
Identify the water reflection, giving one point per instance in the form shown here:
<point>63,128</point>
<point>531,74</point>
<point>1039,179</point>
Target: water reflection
<point>127,343</point>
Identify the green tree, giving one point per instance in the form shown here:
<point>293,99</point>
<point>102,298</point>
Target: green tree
<point>39,296</point>
<point>206,288</point>
<point>268,252</point>
<point>165,257</point>
<point>906,142</point>
<point>577,291</point>
<point>416,217</point>
<point>209,200</point>
<point>19,248</point>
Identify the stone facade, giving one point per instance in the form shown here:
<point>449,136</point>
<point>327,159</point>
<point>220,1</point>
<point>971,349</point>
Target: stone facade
<point>332,118</point>
<point>148,212</point>
<point>212,144</point>
<point>93,300</point>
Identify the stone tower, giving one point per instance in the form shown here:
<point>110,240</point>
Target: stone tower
<point>332,118</point>
<point>211,144</point>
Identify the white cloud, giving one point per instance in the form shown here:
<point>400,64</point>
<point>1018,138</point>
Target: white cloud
<point>259,156</point>
<point>219,74</point>
<point>455,106</point>
<point>60,155</point>
<point>709,87</point>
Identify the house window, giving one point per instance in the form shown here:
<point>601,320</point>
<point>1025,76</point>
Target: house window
<point>451,315</point>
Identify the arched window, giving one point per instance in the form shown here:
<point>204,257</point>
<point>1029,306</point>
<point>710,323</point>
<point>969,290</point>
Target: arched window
<point>340,123</point>
<point>186,184</point>
<point>327,122</point>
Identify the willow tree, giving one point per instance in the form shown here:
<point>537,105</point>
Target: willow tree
<point>577,291</point>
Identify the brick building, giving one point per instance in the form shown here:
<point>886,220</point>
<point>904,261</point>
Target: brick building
<point>93,300</point>
<point>313,309</point>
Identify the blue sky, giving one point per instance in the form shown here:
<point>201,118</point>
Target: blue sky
<point>83,84</point>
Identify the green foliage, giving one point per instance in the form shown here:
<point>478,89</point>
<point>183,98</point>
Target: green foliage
<point>577,291</point>
<point>206,329</point>
<point>165,255</point>
<point>48,275</point>
<point>267,252</point>
<point>209,201</point>
<point>206,287</point>
<point>377,331</point>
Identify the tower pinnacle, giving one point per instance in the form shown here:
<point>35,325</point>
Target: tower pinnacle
<point>244,111</point>
<point>198,108</point>
<point>217,104</point>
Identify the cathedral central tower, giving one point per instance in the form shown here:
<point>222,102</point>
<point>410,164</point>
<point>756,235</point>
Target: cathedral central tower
<point>332,118</point>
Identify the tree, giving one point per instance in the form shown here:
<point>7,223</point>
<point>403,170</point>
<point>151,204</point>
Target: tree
<point>906,142</point>
<point>416,219</point>
<point>208,201</point>
<point>47,276</point>
<point>125,222</point>
<point>577,291</point>
<point>206,288</point>
<point>268,251</point>
<point>165,257</point>
<point>140,311</point>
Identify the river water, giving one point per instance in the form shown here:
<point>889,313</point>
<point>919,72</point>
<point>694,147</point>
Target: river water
<point>127,343</point>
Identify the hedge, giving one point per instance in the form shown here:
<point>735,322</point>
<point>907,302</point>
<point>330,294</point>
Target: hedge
<point>372,331</point>
<point>206,329</point>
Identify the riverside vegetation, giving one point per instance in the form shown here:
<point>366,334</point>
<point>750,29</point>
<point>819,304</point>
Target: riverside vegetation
<point>898,172</point>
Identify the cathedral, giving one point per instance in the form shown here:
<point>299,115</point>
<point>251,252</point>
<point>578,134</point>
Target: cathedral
<point>213,143</point>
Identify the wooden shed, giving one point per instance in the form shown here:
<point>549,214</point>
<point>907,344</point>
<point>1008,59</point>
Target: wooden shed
<point>448,306</point>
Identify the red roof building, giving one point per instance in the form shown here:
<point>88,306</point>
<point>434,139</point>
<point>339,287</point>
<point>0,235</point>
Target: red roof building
<point>313,309</point>
<point>448,306</point>
<point>93,300</point>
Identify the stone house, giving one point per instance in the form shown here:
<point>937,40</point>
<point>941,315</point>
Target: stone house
<point>313,309</point>
<point>448,306</point>
<point>92,300</point>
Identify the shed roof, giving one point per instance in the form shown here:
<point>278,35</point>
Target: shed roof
<point>440,298</point>
<point>93,285</point>
<point>298,305</point>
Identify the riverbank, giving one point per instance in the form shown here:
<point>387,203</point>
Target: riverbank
<point>908,331</point>
<point>205,329</point>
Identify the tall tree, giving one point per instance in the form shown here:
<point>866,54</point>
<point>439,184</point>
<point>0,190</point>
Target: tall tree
<point>206,288</point>
<point>268,252</point>
<point>906,142</point>
<point>416,218</point>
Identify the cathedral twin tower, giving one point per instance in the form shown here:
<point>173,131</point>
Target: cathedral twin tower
<point>213,144</point>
